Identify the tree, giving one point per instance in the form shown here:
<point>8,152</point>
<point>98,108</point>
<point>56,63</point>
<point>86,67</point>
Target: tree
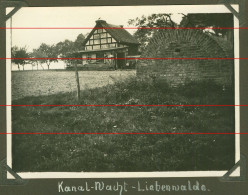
<point>217,21</point>
<point>65,50</point>
<point>34,55</point>
<point>144,34</point>
<point>19,55</point>
<point>78,44</point>
<point>49,53</point>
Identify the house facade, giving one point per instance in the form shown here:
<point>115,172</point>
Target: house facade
<point>109,41</point>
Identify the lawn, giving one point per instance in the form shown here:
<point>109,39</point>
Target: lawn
<point>107,153</point>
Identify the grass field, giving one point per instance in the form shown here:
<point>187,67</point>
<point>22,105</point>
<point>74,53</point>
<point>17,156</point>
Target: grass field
<point>36,83</point>
<point>107,153</point>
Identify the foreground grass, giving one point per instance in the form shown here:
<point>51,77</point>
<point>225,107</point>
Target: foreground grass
<point>127,152</point>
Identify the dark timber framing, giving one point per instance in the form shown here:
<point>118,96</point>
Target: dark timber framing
<point>108,41</point>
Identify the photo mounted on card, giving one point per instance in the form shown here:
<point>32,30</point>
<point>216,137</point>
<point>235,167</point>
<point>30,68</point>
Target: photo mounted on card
<point>99,92</point>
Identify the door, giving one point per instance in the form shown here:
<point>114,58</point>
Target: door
<point>121,63</point>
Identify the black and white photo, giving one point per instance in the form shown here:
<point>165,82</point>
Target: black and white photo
<point>127,91</point>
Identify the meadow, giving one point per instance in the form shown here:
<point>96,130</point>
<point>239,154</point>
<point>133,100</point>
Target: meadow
<point>126,152</point>
<point>45,82</point>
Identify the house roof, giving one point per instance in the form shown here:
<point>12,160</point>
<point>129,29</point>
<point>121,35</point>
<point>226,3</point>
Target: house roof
<point>116,31</point>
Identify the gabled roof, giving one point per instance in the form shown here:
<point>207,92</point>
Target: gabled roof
<point>116,31</point>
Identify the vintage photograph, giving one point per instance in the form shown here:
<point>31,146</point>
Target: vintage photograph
<point>140,90</point>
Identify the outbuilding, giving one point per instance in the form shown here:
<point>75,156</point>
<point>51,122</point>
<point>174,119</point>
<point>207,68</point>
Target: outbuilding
<point>182,55</point>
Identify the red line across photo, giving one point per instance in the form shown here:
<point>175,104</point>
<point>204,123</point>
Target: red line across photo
<point>124,58</point>
<point>130,28</point>
<point>124,133</point>
<point>124,105</point>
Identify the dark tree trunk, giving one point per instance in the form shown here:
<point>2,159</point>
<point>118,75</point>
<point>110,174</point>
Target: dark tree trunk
<point>18,67</point>
<point>42,66</point>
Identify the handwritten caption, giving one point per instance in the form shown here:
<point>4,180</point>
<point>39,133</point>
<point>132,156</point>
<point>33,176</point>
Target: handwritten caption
<point>124,187</point>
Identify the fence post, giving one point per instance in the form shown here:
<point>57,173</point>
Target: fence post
<point>77,81</point>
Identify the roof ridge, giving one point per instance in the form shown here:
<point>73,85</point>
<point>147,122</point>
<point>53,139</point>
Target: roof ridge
<point>120,34</point>
<point>114,25</point>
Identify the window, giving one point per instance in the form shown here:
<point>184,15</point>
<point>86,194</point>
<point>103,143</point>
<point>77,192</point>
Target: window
<point>89,59</point>
<point>177,51</point>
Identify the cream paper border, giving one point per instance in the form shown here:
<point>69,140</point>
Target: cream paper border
<point>168,9</point>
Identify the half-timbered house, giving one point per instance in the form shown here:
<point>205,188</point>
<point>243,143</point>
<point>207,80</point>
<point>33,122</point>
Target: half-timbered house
<point>109,41</point>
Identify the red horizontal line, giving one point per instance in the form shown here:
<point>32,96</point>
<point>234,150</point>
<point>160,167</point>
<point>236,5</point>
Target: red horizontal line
<point>123,133</point>
<point>124,58</point>
<point>123,105</point>
<point>202,28</point>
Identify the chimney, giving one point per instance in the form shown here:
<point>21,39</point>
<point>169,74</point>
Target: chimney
<point>100,21</point>
<point>121,26</point>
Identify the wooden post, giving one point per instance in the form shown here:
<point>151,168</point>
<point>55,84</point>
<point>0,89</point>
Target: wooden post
<point>116,64</point>
<point>77,81</point>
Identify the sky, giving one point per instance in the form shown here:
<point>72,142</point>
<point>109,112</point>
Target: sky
<point>86,17</point>
<point>71,17</point>
<point>78,17</point>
